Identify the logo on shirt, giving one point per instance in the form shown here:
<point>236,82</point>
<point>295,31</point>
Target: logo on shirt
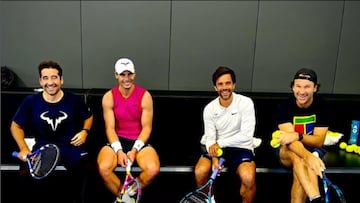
<point>53,122</point>
<point>304,124</point>
<point>84,154</point>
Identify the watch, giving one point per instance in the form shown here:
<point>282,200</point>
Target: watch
<point>87,130</point>
<point>301,136</point>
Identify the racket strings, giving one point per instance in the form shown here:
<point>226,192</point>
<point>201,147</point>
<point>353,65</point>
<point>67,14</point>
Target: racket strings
<point>36,162</point>
<point>196,197</point>
<point>45,161</point>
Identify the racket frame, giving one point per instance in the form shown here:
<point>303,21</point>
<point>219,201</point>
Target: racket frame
<point>209,184</point>
<point>327,184</point>
<point>129,179</point>
<point>37,152</point>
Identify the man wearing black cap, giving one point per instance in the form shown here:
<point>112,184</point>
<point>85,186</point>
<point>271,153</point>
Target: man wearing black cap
<point>303,121</point>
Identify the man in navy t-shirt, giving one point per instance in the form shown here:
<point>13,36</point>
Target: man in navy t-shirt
<point>54,116</point>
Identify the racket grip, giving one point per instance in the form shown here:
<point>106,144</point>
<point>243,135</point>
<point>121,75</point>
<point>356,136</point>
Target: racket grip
<point>221,161</point>
<point>128,166</point>
<point>216,171</point>
<point>15,154</point>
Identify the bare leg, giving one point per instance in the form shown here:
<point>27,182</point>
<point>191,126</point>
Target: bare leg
<point>149,163</point>
<point>305,179</point>
<point>107,162</point>
<point>247,172</point>
<point>298,194</point>
<point>202,171</point>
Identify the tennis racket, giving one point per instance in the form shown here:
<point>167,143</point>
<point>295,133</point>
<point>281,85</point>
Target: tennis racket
<point>198,196</point>
<point>329,187</point>
<point>42,161</point>
<point>131,189</point>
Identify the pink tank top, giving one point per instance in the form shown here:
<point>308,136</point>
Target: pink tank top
<point>128,112</point>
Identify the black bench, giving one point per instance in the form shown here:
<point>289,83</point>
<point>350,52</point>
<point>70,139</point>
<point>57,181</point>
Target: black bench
<point>177,125</point>
<point>177,129</point>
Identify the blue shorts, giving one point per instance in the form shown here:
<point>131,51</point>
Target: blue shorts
<point>70,156</point>
<point>233,156</point>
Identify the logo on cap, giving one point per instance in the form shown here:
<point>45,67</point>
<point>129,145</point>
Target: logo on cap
<point>307,74</point>
<point>124,64</point>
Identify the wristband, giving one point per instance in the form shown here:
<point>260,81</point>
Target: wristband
<point>300,136</point>
<point>116,146</point>
<point>138,145</point>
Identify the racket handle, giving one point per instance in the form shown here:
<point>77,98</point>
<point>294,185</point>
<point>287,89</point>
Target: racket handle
<point>15,154</point>
<point>128,166</point>
<point>216,171</point>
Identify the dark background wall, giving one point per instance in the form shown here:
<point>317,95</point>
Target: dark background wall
<point>176,45</point>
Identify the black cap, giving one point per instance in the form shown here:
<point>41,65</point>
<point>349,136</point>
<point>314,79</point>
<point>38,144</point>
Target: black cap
<point>306,74</point>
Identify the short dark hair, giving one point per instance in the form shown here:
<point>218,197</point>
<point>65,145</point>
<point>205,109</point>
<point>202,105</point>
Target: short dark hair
<point>50,64</point>
<point>222,70</point>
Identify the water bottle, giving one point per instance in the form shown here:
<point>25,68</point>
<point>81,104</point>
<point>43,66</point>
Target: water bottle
<point>355,124</point>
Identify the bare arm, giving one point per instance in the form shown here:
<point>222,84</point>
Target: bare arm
<point>146,117</point>
<point>317,139</point>
<point>81,136</point>
<point>88,123</point>
<point>289,138</point>
<point>19,136</point>
<point>108,113</point>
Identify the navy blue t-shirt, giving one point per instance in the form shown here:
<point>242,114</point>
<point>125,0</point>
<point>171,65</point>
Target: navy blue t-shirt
<point>52,122</point>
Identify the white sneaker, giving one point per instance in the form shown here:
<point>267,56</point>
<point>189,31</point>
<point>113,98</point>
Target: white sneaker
<point>129,196</point>
<point>125,199</point>
<point>132,190</point>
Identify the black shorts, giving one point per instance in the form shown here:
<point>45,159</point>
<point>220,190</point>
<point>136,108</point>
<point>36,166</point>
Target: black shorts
<point>233,156</point>
<point>128,144</point>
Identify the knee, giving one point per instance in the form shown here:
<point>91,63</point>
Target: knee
<point>297,161</point>
<point>248,180</point>
<point>104,170</point>
<point>106,162</point>
<point>201,171</point>
<point>152,169</point>
<point>247,175</point>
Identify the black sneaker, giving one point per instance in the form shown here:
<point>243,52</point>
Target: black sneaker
<point>318,200</point>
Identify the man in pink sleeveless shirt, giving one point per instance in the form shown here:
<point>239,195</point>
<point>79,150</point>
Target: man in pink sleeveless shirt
<point>128,115</point>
